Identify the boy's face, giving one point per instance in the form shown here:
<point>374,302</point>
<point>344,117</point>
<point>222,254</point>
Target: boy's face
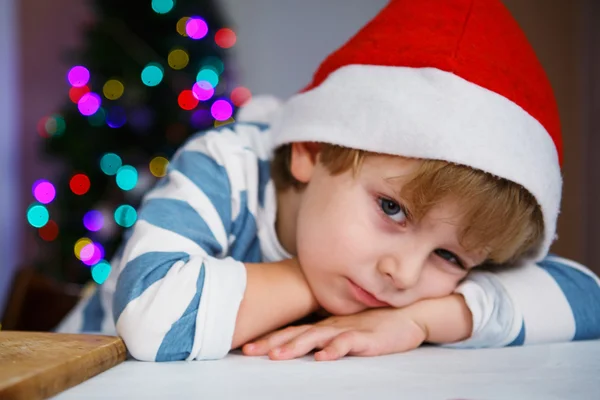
<point>355,245</point>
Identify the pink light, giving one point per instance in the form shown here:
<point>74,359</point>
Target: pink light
<point>91,254</point>
<point>203,90</point>
<point>43,191</point>
<point>78,76</point>
<point>221,110</point>
<point>89,104</point>
<point>196,28</point>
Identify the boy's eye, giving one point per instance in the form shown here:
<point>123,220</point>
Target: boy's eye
<point>450,257</point>
<point>393,210</point>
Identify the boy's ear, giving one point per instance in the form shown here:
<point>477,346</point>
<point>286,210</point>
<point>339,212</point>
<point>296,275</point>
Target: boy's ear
<point>304,158</point>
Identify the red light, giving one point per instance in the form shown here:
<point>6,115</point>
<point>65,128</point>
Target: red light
<point>225,38</point>
<point>240,95</point>
<point>79,184</point>
<point>187,100</point>
<point>76,93</point>
<point>41,127</point>
<point>49,232</point>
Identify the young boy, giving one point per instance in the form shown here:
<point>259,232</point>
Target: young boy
<point>425,148</point>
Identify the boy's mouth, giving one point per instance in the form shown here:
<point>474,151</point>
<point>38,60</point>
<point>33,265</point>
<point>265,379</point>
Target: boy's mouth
<point>364,297</point>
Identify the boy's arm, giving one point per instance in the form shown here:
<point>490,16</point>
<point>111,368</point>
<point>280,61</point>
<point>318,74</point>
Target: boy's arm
<point>555,300</point>
<point>177,296</point>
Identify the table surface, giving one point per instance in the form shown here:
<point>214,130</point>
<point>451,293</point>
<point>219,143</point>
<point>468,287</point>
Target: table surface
<point>557,371</point>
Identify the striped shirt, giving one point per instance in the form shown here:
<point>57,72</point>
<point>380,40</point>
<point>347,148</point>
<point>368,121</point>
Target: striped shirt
<point>178,280</point>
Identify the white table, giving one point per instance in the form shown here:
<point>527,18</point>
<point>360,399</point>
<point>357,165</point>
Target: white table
<point>560,371</point>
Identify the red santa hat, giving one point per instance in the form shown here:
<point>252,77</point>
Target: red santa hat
<point>452,80</point>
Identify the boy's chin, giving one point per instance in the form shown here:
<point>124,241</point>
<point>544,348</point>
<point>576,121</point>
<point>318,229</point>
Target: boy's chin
<point>340,306</point>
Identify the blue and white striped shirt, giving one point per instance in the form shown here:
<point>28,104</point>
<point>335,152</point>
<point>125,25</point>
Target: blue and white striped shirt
<point>179,278</point>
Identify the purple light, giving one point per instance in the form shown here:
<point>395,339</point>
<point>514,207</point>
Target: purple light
<point>43,191</point>
<point>203,90</point>
<point>93,220</point>
<point>201,118</point>
<point>116,117</point>
<point>92,253</point>
<point>89,104</point>
<point>79,76</point>
<point>221,110</point>
<point>196,28</point>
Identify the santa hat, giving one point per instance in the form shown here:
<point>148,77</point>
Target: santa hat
<point>452,80</point>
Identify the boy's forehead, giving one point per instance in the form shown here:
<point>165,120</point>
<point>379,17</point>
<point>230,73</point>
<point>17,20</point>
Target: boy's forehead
<point>391,167</point>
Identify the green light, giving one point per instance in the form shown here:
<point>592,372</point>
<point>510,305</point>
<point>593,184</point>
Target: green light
<point>127,177</point>
<point>162,6</point>
<point>101,271</point>
<point>98,118</point>
<point>152,74</point>
<point>215,63</point>
<point>56,125</point>
<point>110,163</point>
<point>208,75</point>
<point>37,215</point>
<point>125,216</point>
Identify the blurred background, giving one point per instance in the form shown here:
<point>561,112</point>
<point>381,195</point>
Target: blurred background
<point>95,95</point>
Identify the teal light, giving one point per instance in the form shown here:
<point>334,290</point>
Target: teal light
<point>162,6</point>
<point>110,163</point>
<point>101,271</point>
<point>152,74</point>
<point>37,215</point>
<point>127,177</point>
<point>98,119</point>
<point>125,216</point>
<point>215,63</point>
<point>208,75</point>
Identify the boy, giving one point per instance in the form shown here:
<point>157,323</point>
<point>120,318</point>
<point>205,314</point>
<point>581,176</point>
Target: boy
<point>426,147</point>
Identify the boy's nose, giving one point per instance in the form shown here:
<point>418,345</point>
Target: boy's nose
<point>403,274</point>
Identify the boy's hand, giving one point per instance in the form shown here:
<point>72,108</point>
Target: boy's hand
<point>371,332</point>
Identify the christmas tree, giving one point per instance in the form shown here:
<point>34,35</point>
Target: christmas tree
<point>152,73</point>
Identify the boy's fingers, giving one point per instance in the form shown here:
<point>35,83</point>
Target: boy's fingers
<point>313,338</point>
<point>349,342</point>
<point>261,346</point>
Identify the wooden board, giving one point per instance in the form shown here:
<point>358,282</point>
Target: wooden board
<point>37,365</point>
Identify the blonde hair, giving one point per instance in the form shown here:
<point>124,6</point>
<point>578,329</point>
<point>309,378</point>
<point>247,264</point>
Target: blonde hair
<point>499,217</point>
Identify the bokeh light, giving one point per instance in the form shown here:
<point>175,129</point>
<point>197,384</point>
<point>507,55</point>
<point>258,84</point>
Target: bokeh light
<point>76,93</point>
<point>89,104</point>
<point>215,63</point>
<point>162,6</point>
<point>79,245</point>
<point>178,59</point>
<point>78,76</point>
<point>43,191</point>
<point>201,119</point>
<point>93,220</point>
<point>221,110</point>
<point>92,253</point>
<point>203,90</point>
<point>152,74</point>
<point>176,133</point>
<point>127,177</point>
<point>218,123</point>
<point>113,89</point>
<point>158,166</point>
<point>181,24</point>
<point>125,216</point>
<point>208,75</point>
<point>101,272</point>
<point>79,184</point>
<point>116,118</point>
<point>225,38</point>
<point>187,100</point>
<point>240,95</point>
<point>110,163</point>
<point>54,125</point>
<point>49,232</point>
<point>37,215</point>
<point>196,28</point>
<point>98,118</point>
<point>141,119</point>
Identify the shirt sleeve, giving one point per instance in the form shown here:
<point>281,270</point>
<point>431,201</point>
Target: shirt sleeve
<point>554,300</point>
<point>179,288</point>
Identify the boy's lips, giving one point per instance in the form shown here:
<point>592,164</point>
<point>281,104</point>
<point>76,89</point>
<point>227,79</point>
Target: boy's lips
<point>365,297</point>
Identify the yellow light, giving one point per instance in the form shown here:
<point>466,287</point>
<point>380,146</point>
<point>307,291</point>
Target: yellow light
<point>79,245</point>
<point>181,25</point>
<point>178,59</point>
<point>227,122</point>
<point>158,166</point>
<point>113,89</point>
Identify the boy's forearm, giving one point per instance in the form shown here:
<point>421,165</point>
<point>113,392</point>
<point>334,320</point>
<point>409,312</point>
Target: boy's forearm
<point>445,320</point>
<point>276,295</point>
